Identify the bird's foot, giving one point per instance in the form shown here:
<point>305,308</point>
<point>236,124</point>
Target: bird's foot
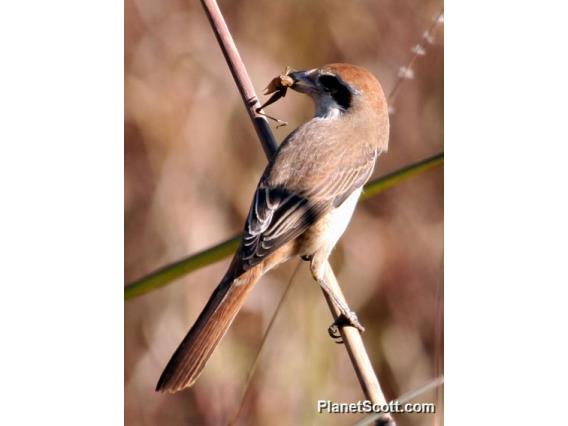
<point>350,319</point>
<point>333,331</point>
<point>344,320</point>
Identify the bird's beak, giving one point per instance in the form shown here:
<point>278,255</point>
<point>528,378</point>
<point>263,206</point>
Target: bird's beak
<point>304,81</point>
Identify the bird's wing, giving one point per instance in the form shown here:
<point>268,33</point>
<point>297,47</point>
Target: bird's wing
<point>279,213</point>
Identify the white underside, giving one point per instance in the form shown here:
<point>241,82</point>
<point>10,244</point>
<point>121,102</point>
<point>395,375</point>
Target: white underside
<point>339,218</point>
<point>329,231</point>
<point>323,236</point>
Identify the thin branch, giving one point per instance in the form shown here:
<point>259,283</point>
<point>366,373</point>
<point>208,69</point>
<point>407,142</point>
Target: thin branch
<point>356,349</point>
<point>351,337</point>
<point>171,272</point>
<point>240,75</point>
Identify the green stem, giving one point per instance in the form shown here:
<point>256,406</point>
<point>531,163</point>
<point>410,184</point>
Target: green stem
<point>173,271</point>
<point>392,179</point>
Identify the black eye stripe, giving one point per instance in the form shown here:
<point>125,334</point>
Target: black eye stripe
<point>330,82</point>
<point>338,89</point>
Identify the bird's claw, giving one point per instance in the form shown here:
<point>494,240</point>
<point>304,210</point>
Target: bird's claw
<point>342,321</point>
<point>333,331</point>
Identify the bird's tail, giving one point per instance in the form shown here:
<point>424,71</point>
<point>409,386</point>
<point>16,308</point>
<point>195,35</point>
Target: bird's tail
<point>188,361</point>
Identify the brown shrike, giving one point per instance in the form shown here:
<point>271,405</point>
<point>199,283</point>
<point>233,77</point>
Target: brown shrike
<point>302,204</point>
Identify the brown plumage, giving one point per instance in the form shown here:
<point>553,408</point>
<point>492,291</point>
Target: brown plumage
<point>302,204</point>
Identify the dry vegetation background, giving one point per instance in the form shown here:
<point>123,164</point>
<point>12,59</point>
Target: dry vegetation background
<point>192,161</point>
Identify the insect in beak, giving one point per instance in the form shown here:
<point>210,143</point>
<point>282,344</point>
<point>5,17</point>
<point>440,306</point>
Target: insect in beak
<point>277,87</point>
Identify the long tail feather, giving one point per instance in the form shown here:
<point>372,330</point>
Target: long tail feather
<point>190,358</point>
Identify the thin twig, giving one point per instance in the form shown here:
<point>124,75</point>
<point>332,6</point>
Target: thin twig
<point>252,369</point>
<point>240,75</point>
<point>350,335</point>
<point>425,35</point>
<point>357,353</point>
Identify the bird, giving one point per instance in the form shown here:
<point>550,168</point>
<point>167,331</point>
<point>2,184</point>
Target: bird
<point>302,205</point>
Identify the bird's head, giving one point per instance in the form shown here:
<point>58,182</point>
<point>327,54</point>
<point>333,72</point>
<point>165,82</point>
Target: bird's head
<point>340,89</point>
<point>348,95</point>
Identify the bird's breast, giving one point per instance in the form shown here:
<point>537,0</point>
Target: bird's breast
<point>324,234</point>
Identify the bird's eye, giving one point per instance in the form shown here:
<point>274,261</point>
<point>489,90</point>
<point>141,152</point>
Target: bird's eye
<point>338,89</point>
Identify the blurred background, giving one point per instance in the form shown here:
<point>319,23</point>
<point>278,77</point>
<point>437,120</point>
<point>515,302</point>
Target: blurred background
<point>192,162</point>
